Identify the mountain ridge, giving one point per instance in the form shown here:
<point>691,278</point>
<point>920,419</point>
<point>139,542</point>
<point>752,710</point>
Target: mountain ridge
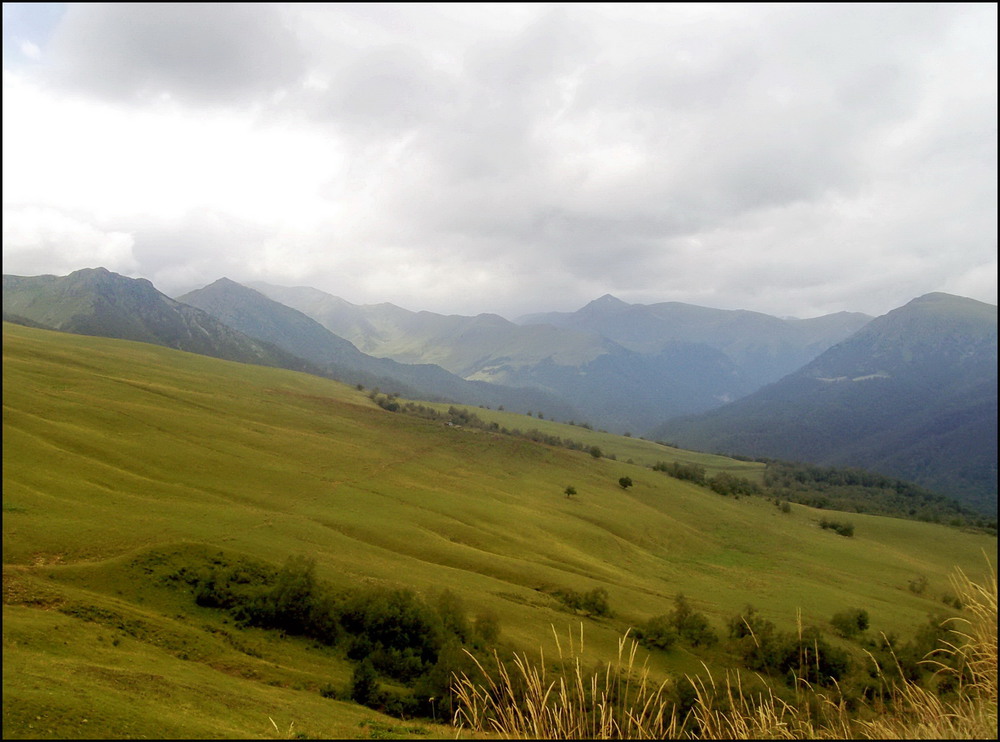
<point>912,394</point>
<point>257,315</point>
<point>621,373</point>
<point>95,301</point>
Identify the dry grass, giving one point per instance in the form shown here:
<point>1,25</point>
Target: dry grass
<point>620,701</point>
<point>617,701</point>
<point>972,712</point>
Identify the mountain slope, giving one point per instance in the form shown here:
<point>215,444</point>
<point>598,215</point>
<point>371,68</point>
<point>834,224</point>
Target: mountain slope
<point>762,347</point>
<point>626,366</point>
<point>613,386</point>
<point>913,394</point>
<point>466,346</point>
<point>258,316</point>
<point>95,301</point>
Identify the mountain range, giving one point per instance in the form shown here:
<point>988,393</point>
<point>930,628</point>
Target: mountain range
<point>95,301</point>
<point>624,367</point>
<point>911,394</point>
<point>229,321</point>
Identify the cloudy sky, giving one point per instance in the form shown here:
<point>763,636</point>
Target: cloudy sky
<point>790,159</point>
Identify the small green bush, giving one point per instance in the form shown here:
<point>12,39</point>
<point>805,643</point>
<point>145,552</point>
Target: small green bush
<point>657,632</point>
<point>844,529</point>
<point>851,622</point>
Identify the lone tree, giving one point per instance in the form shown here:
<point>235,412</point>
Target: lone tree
<point>570,490</point>
<point>625,482</point>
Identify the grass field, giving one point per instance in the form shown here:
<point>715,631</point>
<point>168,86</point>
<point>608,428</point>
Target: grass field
<point>118,455</point>
<point>619,447</point>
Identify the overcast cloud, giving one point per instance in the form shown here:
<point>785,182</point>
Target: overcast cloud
<point>789,159</point>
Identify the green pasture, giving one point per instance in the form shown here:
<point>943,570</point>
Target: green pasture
<point>623,448</point>
<point>117,452</point>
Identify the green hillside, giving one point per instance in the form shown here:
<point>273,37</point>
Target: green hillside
<point>123,461</point>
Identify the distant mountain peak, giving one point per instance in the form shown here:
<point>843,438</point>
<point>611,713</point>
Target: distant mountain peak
<point>940,297</point>
<point>108,282</point>
<point>606,303</point>
<point>225,282</point>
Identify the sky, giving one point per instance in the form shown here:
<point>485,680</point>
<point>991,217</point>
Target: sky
<point>791,159</point>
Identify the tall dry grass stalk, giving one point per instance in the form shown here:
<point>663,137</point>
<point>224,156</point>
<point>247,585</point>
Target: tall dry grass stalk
<point>619,701</point>
<point>970,663</point>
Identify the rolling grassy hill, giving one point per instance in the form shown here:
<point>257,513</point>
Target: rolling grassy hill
<point>122,460</point>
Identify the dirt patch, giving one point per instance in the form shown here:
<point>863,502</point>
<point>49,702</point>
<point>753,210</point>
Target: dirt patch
<point>20,588</point>
<point>42,559</point>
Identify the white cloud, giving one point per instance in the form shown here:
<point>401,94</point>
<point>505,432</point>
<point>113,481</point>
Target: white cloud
<point>39,240</point>
<point>514,158</point>
<point>30,50</point>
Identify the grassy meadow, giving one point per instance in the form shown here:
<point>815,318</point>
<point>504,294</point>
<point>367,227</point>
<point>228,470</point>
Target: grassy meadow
<point>619,447</point>
<point>124,460</point>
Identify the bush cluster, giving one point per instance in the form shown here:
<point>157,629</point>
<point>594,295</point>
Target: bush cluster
<point>851,622</point>
<point>806,655</point>
<point>677,470</point>
<point>681,623</point>
<point>844,529</point>
<point>730,485</point>
<point>856,490</point>
<point>593,602</point>
<point>390,633</point>
<point>462,417</point>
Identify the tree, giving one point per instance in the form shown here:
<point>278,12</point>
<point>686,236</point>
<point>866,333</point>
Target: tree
<point>364,684</point>
<point>625,482</point>
<point>570,490</point>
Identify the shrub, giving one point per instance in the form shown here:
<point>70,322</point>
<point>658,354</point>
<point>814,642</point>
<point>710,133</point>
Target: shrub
<point>953,600</point>
<point>657,632</point>
<point>625,482</point>
<point>844,529</point>
<point>850,622</point>
<point>727,484</point>
<point>689,472</point>
<point>401,635</point>
<point>451,611</point>
<point>749,624</point>
<point>486,628</point>
<point>594,602</point>
<point>690,625</point>
<point>364,685</point>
